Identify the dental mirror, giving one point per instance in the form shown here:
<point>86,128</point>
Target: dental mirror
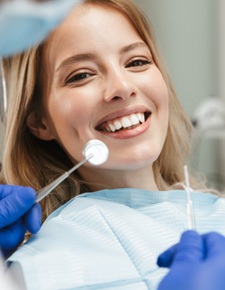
<point>98,151</point>
<point>95,152</point>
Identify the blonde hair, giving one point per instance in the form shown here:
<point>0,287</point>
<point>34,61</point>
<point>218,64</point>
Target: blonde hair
<point>33,162</point>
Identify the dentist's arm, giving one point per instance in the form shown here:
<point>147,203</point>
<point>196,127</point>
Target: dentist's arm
<point>24,24</point>
<point>18,213</point>
<point>197,262</point>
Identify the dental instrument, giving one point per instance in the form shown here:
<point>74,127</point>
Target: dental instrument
<point>190,209</point>
<point>95,152</point>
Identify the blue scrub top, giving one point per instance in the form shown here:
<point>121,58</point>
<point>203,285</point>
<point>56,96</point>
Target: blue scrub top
<point>111,239</point>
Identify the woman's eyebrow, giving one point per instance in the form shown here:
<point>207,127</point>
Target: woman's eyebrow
<point>75,58</point>
<point>133,46</point>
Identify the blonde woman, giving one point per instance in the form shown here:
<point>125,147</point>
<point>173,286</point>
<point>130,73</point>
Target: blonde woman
<point>99,76</point>
<point>34,157</point>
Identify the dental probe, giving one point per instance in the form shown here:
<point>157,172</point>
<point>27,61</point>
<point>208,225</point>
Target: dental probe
<point>95,152</point>
<point>190,209</point>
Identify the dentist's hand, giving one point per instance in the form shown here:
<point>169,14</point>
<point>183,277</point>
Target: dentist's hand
<point>18,213</point>
<point>197,262</point>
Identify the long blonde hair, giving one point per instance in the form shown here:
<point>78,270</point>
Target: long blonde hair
<point>33,162</point>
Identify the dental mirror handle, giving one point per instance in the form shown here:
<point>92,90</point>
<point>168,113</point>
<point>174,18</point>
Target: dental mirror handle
<point>190,208</point>
<point>95,151</point>
<point>48,188</point>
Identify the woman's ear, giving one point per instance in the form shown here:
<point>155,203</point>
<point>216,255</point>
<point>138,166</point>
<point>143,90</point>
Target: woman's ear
<point>38,127</point>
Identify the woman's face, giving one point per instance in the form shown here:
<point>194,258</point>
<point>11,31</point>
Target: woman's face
<point>101,83</point>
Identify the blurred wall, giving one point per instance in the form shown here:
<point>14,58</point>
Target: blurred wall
<point>221,68</point>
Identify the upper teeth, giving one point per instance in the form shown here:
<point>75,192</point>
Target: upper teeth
<point>125,122</point>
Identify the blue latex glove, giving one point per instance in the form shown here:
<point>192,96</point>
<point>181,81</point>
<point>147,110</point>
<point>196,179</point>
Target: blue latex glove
<point>196,263</point>
<point>18,213</point>
<point>26,23</point>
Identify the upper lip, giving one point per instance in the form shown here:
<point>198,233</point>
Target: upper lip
<point>121,113</point>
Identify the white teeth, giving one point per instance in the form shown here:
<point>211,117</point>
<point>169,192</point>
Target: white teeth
<point>112,128</point>
<point>117,125</point>
<point>141,117</point>
<point>125,122</point>
<point>134,119</point>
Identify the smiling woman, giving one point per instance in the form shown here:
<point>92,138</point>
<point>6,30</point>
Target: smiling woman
<point>98,76</point>
<point>109,85</point>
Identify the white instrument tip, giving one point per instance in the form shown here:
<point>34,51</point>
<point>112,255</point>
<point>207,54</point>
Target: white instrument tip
<point>98,151</point>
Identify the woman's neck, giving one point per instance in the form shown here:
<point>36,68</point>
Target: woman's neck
<point>142,178</point>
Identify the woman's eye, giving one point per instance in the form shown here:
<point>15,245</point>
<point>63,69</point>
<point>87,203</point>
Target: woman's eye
<point>138,62</point>
<point>78,77</point>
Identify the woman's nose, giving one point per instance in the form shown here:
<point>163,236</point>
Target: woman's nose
<point>118,87</point>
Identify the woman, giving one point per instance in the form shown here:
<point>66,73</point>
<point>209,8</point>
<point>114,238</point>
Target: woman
<point>46,160</point>
<point>99,76</point>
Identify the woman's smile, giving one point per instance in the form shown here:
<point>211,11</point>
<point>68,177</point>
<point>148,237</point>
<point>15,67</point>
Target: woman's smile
<point>125,125</point>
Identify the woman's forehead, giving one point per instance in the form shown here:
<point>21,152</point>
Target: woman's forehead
<point>87,26</point>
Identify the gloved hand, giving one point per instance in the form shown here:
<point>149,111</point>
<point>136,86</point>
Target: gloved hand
<point>18,213</point>
<point>197,262</point>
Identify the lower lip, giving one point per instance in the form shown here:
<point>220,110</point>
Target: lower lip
<point>130,133</point>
